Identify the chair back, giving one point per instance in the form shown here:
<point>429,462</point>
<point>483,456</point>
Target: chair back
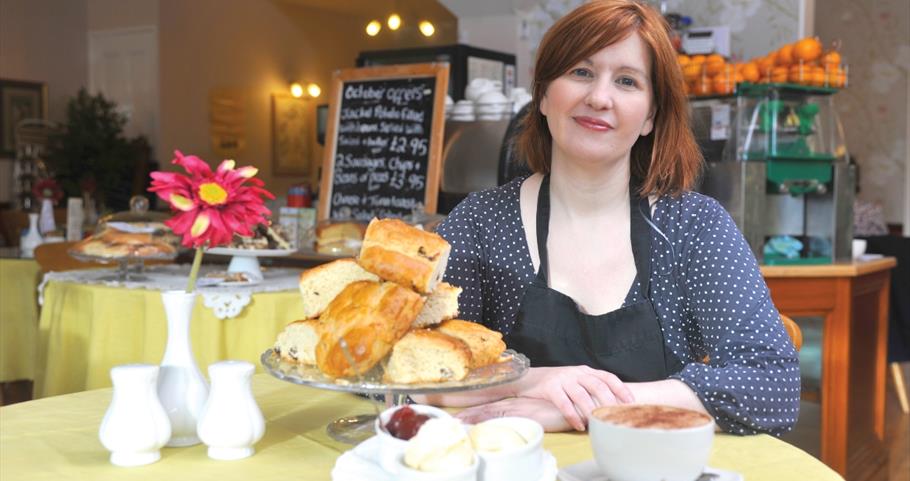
<point>796,334</point>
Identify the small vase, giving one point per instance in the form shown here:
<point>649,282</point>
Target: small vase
<point>47,224</point>
<point>135,426</point>
<point>31,239</point>
<point>231,422</point>
<point>181,387</point>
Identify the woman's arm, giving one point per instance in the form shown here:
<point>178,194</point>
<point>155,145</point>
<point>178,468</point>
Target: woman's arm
<point>670,392</point>
<point>751,383</point>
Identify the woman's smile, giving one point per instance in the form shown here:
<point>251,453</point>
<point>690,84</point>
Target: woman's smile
<point>592,123</point>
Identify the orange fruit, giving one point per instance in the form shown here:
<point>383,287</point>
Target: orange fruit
<point>817,78</point>
<point>765,64</point>
<point>682,60</point>
<point>799,74</point>
<point>692,71</point>
<point>722,86</point>
<point>779,75</point>
<point>738,78</point>
<point>750,72</point>
<point>697,59</point>
<point>701,87</point>
<point>831,58</point>
<point>785,55</point>
<point>807,49</point>
<point>714,64</point>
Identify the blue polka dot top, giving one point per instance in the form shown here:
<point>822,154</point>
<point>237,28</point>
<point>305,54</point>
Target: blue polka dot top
<point>707,290</point>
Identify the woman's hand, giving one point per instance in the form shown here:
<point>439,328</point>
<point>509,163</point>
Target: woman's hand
<point>574,390</point>
<point>539,410</point>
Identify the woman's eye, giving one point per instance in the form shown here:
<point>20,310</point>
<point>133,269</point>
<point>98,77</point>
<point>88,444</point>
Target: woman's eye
<point>581,72</point>
<point>627,82</point>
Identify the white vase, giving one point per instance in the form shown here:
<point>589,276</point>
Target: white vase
<point>47,224</point>
<point>181,387</point>
<point>135,426</point>
<point>31,239</point>
<point>231,422</point>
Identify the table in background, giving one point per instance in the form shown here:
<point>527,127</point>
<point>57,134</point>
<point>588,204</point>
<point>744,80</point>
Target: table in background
<point>18,318</point>
<point>853,299</point>
<point>57,438</point>
<point>85,330</point>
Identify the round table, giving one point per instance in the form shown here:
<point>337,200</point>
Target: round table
<point>18,318</point>
<point>57,438</point>
<point>86,329</point>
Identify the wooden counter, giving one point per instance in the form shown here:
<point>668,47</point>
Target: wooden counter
<point>853,300</point>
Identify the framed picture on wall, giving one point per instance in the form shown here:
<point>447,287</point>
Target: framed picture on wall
<point>19,100</point>
<point>291,136</point>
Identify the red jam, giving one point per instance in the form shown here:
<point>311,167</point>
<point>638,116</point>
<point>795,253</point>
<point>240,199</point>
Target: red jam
<point>405,422</point>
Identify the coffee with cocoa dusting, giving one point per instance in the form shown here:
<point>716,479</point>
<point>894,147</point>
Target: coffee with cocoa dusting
<point>651,416</point>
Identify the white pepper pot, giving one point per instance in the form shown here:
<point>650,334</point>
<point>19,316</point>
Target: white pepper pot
<point>231,421</point>
<point>135,426</point>
<point>181,387</point>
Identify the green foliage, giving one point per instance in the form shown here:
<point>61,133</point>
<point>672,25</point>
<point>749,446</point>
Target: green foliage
<point>90,152</point>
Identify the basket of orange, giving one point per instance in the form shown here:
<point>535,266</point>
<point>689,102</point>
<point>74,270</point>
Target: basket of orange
<point>804,62</point>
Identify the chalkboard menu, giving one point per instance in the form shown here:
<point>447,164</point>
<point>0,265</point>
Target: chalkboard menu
<point>383,142</point>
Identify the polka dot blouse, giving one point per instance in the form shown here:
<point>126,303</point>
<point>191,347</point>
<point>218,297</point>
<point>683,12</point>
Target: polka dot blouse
<point>708,292</point>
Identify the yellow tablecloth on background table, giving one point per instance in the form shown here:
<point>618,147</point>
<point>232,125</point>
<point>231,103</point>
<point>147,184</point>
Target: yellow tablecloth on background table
<point>85,330</point>
<point>19,280</point>
<point>57,438</point>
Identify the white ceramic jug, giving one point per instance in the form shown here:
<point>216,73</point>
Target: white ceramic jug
<point>231,421</point>
<point>135,426</point>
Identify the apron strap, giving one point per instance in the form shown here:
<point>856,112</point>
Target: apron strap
<point>543,227</point>
<point>641,238</point>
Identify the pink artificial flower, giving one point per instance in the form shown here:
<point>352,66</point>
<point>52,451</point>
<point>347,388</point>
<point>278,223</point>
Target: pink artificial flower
<point>211,206</point>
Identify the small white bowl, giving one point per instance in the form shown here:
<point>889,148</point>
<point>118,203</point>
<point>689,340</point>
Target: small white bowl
<point>519,464</point>
<point>492,97</point>
<point>859,248</point>
<point>406,473</point>
<point>389,446</point>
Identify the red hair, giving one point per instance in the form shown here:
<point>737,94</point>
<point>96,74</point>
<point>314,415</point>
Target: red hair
<point>668,160</point>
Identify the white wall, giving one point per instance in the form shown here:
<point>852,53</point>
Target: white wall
<point>500,33</point>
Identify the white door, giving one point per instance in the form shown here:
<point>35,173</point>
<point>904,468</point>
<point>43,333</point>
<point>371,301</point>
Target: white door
<point>123,66</point>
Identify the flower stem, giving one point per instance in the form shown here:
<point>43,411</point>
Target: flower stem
<point>194,271</point>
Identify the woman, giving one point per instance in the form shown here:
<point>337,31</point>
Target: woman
<point>602,267</point>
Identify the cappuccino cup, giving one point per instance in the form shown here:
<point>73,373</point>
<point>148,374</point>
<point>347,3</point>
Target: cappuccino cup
<point>643,442</point>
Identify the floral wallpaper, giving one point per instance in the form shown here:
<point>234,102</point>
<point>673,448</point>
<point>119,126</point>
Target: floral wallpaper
<point>875,43</point>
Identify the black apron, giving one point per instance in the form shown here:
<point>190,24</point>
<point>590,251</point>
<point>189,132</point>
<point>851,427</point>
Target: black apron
<point>627,342</point>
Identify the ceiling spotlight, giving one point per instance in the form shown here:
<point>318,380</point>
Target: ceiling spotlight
<point>313,90</point>
<point>394,21</point>
<point>427,29</point>
<point>373,28</point>
<point>296,90</point>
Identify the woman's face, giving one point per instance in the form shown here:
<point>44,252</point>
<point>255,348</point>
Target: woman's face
<point>598,109</point>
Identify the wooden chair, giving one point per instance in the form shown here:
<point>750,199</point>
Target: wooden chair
<point>796,334</point>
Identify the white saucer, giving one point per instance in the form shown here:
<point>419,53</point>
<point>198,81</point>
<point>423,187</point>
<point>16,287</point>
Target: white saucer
<point>588,471</point>
<point>362,462</point>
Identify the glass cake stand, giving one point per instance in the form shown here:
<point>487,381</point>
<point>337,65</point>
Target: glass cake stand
<point>123,273</point>
<point>247,260</point>
<point>354,429</point>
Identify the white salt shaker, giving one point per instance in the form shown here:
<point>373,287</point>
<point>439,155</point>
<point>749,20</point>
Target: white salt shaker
<point>135,426</point>
<point>231,421</point>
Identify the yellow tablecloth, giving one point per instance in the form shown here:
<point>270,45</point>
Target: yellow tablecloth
<point>85,330</point>
<point>57,438</point>
<point>18,318</point>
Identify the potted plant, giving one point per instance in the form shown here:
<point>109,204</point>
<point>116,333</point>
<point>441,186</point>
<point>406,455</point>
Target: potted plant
<point>89,154</point>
